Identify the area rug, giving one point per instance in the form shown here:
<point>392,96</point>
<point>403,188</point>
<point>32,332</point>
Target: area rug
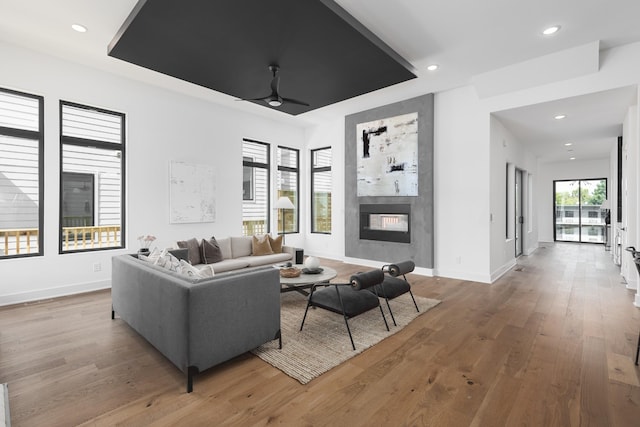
<point>324,341</point>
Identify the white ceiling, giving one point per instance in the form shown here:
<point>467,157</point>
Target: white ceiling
<point>465,37</point>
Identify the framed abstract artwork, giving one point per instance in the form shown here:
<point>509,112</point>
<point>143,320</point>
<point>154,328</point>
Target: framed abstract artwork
<point>387,156</point>
<point>192,189</point>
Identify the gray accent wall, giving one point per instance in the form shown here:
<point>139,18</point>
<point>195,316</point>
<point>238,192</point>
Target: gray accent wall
<point>421,248</point>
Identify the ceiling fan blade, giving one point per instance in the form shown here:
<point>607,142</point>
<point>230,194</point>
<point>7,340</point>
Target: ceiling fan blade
<point>294,101</point>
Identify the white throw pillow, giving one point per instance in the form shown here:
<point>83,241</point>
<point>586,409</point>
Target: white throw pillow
<point>168,261</point>
<point>190,271</point>
<point>152,257</point>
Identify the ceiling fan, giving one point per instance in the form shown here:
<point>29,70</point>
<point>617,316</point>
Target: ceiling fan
<point>274,99</point>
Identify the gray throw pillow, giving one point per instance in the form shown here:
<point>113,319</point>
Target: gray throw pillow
<point>194,250</point>
<point>210,251</point>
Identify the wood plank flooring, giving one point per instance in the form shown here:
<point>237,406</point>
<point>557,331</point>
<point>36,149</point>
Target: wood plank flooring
<point>549,344</point>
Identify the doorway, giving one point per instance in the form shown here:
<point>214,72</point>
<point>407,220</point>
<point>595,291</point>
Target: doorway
<point>518,211</point>
<point>578,216</point>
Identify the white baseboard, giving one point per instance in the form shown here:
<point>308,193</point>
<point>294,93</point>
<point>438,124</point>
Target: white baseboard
<point>53,292</point>
<point>462,275</point>
<point>502,270</point>
<point>422,271</point>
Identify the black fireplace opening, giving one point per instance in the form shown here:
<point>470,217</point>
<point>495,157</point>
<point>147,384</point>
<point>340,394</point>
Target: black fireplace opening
<point>386,222</point>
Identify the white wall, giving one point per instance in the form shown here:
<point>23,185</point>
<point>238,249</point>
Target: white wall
<point>630,195</point>
<point>548,172</point>
<point>331,245</point>
<point>461,157</point>
<point>506,149</point>
<point>161,126</point>
<point>461,154</point>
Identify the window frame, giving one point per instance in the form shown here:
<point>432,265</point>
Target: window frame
<point>37,136</point>
<point>295,170</point>
<point>267,167</point>
<point>315,170</point>
<point>92,143</point>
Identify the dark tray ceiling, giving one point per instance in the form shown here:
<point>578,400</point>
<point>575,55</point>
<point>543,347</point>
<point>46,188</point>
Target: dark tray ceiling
<point>325,56</point>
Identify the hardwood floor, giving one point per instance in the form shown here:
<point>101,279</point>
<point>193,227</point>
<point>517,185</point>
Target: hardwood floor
<point>550,344</point>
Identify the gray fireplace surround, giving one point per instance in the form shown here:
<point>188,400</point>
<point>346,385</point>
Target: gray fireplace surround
<point>420,247</point>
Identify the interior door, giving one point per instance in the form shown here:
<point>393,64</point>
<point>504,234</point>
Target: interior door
<point>518,211</point>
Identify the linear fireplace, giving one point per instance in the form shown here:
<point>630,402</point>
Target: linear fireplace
<point>386,222</point>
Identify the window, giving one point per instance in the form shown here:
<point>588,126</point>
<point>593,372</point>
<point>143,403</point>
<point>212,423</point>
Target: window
<point>247,179</point>
<point>92,149</point>
<point>321,190</point>
<point>21,174</point>
<point>288,186</point>
<point>255,206</point>
<point>581,201</point>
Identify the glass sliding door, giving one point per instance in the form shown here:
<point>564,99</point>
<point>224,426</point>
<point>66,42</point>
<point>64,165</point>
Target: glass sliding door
<point>577,213</point>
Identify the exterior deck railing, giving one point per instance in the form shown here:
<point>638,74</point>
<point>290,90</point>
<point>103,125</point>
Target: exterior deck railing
<point>250,228</point>
<point>19,241</point>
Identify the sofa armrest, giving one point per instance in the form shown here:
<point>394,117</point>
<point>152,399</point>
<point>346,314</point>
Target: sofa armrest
<point>155,304</point>
<point>231,314</point>
<point>289,250</point>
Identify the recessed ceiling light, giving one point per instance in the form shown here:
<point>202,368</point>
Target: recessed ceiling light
<point>560,116</point>
<point>572,158</point>
<point>79,28</point>
<point>568,144</point>
<point>433,67</point>
<point>551,30</point>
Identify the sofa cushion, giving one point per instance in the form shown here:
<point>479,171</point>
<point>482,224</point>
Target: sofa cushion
<point>210,251</point>
<point>240,246</point>
<point>276,244</point>
<point>256,260</point>
<point>194,250</point>
<point>225,247</point>
<point>260,245</point>
<point>228,265</point>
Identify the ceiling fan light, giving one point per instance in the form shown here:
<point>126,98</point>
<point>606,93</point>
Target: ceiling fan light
<point>274,102</point>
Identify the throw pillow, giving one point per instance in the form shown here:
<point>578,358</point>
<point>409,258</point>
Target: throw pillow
<point>260,245</point>
<point>276,244</point>
<point>168,261</point>
<point>190,271</point>
<point>152,257</point>
<point>210,251</point>
<point>194,250</point>
<point>180,253</point>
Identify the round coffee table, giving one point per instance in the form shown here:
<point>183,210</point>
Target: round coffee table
<point>305,281</point>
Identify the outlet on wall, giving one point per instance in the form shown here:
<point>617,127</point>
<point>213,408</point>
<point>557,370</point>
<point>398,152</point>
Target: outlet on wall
<point>97,267</point>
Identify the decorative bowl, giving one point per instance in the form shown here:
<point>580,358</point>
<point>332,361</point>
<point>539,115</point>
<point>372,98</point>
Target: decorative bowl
<point>290,272</point>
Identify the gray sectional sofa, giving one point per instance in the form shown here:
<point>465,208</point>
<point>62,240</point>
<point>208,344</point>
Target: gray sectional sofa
<point>197,323</point>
